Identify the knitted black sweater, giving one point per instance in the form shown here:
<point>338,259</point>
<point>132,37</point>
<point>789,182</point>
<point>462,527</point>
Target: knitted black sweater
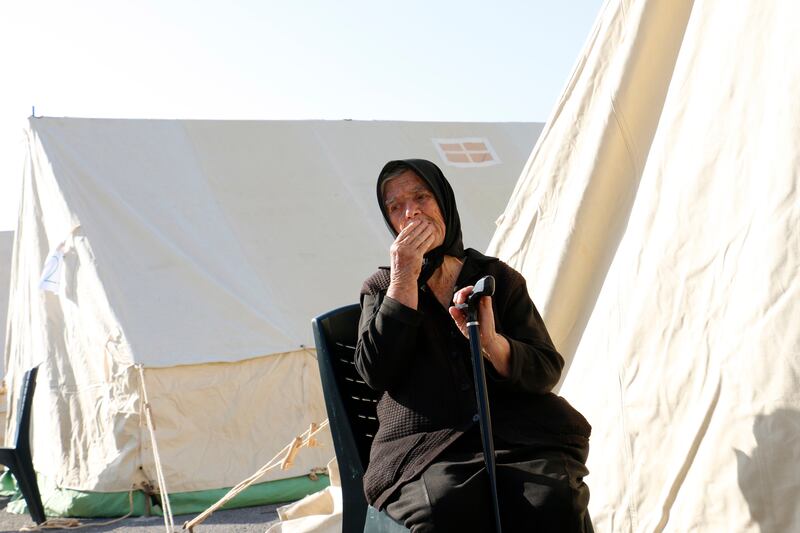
<point>421,360</point>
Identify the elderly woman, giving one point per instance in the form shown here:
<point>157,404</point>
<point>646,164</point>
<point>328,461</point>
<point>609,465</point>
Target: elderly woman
<point>426,466</point>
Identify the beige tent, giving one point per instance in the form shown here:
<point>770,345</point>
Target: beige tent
<point>657,224</point>
<point>199,251</point>
<point>6,241</point>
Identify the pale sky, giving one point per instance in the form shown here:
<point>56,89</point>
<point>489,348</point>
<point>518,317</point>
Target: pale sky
<point>439,60</point>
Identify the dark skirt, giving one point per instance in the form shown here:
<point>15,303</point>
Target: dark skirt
<point>540,489</point>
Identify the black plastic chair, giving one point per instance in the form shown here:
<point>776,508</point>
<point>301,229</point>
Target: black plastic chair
<point>18,459</point>
<point>351,414</point>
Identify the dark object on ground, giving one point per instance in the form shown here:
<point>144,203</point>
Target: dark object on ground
<point>18,459</point>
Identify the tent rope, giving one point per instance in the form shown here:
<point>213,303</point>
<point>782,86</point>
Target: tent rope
<point>73,523</point>
<point>169,522</point>
<point>283,458</point>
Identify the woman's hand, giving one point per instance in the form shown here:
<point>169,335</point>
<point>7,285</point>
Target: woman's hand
<point>495,347</point>
<point>406,255</point>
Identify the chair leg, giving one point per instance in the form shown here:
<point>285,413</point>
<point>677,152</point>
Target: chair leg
<point>26,481</point>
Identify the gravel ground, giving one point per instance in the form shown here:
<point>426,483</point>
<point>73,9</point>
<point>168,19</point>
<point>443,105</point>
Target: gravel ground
<point>246,520</point>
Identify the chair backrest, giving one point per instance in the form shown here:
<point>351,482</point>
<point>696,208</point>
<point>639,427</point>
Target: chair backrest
<point>350,403</point>
<point>24,408</point>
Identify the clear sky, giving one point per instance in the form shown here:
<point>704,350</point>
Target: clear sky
<point>308,59</point>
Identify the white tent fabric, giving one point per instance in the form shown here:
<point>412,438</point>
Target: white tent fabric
<point>657,224</point>
<point>6,242</point>
<point>320,512</point>
<point>201,250</point>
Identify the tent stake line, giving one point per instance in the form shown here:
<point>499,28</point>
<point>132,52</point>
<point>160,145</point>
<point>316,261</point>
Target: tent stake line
<point>169,522</point>
<point>283,458</point>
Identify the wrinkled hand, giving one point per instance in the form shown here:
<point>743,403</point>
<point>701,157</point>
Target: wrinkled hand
<point>485,316</point>
<point>495,347</point>
<point>408,249</point>
<point>406,255</point>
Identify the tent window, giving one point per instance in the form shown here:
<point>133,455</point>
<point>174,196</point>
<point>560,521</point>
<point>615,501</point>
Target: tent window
<point>467,152</point>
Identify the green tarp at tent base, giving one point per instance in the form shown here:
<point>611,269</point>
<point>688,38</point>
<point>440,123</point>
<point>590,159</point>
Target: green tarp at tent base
<point>60,502</point>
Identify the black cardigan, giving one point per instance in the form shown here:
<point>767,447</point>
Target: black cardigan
<point>421,360</point>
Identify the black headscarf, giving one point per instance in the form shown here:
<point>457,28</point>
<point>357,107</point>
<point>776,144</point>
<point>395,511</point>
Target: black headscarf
<point>432,175</point>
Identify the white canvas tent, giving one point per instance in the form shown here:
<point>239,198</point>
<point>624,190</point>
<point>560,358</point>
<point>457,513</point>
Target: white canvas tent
<point>6,242</point>
<point>657,224</point>
<point>201,250</point>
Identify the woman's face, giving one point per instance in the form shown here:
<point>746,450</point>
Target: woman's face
<point>407,197</point>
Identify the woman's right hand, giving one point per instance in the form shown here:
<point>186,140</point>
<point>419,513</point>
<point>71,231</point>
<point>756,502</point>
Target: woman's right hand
<point>406,255</point>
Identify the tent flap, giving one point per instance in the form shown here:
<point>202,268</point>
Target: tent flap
<point>657,225</point>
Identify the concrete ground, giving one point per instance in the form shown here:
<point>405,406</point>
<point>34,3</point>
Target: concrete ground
<point>246,520</point>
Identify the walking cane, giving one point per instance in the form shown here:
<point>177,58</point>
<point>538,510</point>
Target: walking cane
<point>484,287</point>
